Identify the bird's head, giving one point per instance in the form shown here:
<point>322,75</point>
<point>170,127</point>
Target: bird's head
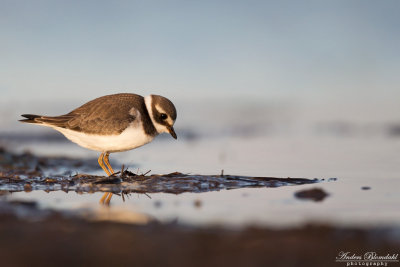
<point>162,113</point>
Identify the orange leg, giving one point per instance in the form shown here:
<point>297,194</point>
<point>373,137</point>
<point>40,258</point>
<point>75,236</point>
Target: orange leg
<point>106,198</point>
<point>108,163</point>
<point>100,161</point>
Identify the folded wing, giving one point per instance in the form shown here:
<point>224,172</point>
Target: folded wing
<point>105,115</point>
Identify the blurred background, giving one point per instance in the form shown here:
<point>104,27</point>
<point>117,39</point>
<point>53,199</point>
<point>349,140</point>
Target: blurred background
<point>272,88</point>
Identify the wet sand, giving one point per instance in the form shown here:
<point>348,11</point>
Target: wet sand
<point>64,242</point>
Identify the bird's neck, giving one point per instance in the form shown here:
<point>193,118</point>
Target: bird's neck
<point>148,101</point>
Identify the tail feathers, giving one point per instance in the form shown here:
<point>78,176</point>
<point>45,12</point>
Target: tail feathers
<point>30,118</point>
<point>58,121</point>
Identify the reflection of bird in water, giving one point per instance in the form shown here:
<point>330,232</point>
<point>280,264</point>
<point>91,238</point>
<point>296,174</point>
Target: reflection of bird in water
<point>113,123</point>
<point>106,198</point>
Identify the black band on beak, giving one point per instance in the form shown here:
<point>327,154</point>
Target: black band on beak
<point>172,132</point>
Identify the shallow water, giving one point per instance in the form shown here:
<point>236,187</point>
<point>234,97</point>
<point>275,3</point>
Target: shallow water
<point>366,192</point>
<point>347,204</point>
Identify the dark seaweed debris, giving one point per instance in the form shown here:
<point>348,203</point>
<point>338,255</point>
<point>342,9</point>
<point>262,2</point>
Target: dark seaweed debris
<point>175,183</point>
<point>27,172</point>
<point>315,194</point>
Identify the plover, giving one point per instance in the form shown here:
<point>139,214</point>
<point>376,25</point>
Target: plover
<point>113,123</point>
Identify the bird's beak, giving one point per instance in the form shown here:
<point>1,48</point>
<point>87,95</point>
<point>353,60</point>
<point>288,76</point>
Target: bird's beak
<point>172,131</point>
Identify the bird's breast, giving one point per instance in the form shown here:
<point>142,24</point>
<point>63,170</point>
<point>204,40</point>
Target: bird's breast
<point>132,137</point>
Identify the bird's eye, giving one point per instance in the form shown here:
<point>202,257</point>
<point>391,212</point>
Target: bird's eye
<point>164,116</point>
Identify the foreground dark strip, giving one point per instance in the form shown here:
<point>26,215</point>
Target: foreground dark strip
<point>60,241</point>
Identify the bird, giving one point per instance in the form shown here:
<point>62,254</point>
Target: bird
<point>113,123</point>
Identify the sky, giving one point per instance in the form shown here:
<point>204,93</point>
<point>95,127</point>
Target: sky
<point>187,50</point>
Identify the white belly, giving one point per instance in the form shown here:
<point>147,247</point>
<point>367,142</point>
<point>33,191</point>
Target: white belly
<point>130,138</point>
